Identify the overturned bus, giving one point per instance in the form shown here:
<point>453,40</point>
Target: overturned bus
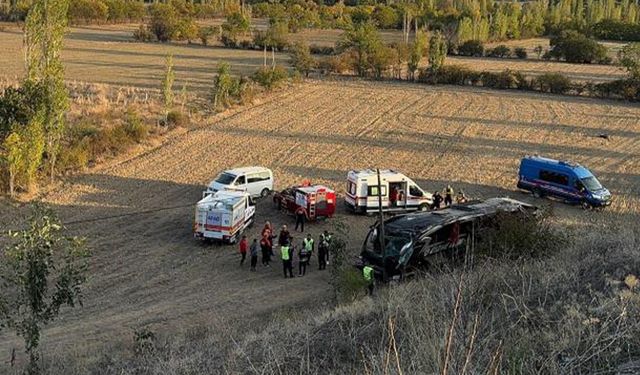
<point>412,241</point>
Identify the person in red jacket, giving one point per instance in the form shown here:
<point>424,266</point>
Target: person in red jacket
<point>393,196</point>
<point>244,246</point>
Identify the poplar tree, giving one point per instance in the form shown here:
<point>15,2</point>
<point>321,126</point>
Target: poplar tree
<point>167,85</point>
<point>437,51</point>
<point>44,32</point>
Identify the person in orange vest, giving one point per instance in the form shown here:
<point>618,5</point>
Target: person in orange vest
<point>244,246</point>
<point>301,217</point>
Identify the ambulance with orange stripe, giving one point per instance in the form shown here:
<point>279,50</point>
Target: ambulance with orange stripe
<point>362,192</point>
<point>224,215</point>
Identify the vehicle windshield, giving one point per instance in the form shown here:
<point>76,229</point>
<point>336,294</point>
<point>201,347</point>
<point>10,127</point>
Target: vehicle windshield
<point>394,243</point>
<point>591,183</point>
<point>225,178</point>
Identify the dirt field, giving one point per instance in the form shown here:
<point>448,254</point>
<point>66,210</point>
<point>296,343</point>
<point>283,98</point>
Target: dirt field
<point>148,270</point>
<point>108,54</point>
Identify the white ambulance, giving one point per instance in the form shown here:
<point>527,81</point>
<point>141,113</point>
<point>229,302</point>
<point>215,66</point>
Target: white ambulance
<point>223,215</point>
<point>362,192</point>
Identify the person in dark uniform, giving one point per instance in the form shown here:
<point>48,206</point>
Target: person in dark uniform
<point>301,217</point>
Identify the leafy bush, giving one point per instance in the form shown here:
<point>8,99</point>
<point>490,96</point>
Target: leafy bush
<point>386,17</point>
<point>519,236</point>
<point>553,82</point>
<point>471,48</point>
<point>501,51</point>
<point>629,58</point>
<point>520,52</point>
<point>177,119</point>
<point>301,58</point>
<point>502,80</point>
<point>576,48</point>
<point>143,34</point>
<point>204,33</point>
<point>164,22</point>
<point>75,157</point>
<point>449,75</point>
<point>270,77</point>
<point>135,129</point>
<point>234,26</point>
<point>616,30</point>
<point>275,37</point>
<point>338,64</point>
<point>322,50</point>
<point>87,11</point>
<point>628,89</point>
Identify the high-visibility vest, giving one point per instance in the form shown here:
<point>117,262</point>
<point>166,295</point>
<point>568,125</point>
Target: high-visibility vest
<point>449,191</point>
<point>367,272</point>
<point>284,252</point>
<point>308,244</point>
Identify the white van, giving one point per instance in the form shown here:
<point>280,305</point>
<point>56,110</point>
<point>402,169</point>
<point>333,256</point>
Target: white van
<point>257,181</point>
<point>362,192</point>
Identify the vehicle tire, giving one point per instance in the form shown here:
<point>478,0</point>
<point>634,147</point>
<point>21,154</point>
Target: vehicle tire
<point>265,192</point>
<point>537,193</point>
<point>586,205</point>
<point>423,207</point>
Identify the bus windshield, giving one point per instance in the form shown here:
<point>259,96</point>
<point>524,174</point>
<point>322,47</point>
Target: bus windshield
<point>591,183</point>
<point>394,243</point>
<point>225,178</point>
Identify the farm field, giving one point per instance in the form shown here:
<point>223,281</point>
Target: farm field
<point>147,270</point>
<point>108,55</point>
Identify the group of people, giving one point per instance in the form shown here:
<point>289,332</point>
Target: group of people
<point>447,200</point>
<point>288,248</point>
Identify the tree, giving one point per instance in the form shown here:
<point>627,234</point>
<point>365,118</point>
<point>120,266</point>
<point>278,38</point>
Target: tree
<point>364,41</point>
<point>437,51</point>
<point>471,48</point>
<point>44,32</point>
<point>235,25</point>
<point>301,58</point>
<point>577,48</point>
<point>167,85</point>
<point>416,53</point>
<point>164,21</point>
<point>629,58</point>
<point>43,270</point>
<point>224,85</point>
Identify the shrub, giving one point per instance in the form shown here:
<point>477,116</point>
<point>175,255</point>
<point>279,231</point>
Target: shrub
<point>270,77</point>
<point>629,57</point>
<point>386,17</point>
<point>322,50</point>
<point>275,37</point>
<point>501,80</point>
<point>522,82</point>
<point>135,129</point>
<point>576,48</point>
<point>177,119</point>
<point>75,156</point>
<point>87,11</point>
<point>553,82</point>
<point>448,75</point>
<point>616,30</point>
<point>471,48</point>
<point>204,33</point>
<point>338,64</point>
<point>628,89</point>
<point>501,51</point>
<point>235,25</point>
<point>164,22</point>
<point>301,58</point>
<point>142,34</point>
<point>520,52</point>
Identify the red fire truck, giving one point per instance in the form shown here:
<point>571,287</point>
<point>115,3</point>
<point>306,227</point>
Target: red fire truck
<point>319,201</point>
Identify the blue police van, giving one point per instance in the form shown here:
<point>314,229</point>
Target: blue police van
<point>570,182</point>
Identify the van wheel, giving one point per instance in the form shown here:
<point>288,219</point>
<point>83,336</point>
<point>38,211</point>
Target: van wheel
<point>264,192</point>
<point>537,193</point>
<point>423,207</point>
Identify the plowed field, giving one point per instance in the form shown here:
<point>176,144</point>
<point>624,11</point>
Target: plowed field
<point>148,270</point>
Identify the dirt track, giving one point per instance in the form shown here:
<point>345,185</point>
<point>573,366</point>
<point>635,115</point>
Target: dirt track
<point>147,269</point>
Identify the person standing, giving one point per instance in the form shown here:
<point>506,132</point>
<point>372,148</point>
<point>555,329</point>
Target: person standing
<point>265,246</point>
<point>305,255</point>
<point>448,196</point>
<point>393,196</point>
<point>437,200</point>
<point>323,250</point>
<point>253,250</point>
<point>285,254</point>
<point>283,237</point>
<point>244,246</point>
<point>301,217</point>
<point>368,274</point>
<point>326,238</point>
